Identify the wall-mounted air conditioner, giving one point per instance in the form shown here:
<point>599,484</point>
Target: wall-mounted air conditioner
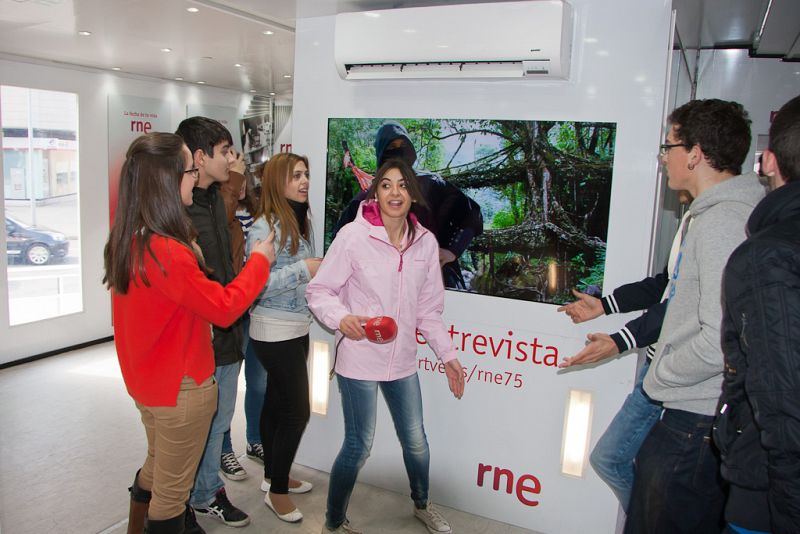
<point>504,40</point>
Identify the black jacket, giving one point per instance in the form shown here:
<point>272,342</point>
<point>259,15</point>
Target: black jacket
<point>641,295</point>
<point>209,220</point>
<point>758,421</point>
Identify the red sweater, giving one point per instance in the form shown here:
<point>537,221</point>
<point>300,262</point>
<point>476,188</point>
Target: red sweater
<point>162,332</point>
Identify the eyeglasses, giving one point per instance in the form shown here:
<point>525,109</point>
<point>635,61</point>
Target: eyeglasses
<point>195,172</point>
<point>663,149</point>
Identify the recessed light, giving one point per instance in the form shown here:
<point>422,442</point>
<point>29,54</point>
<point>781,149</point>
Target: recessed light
<point>272,94</point>
<point>268,32</point>
<point>371,15</point>
<point>178,79</point>
<point>192,9</point>
<point>201,82</point>
<point>166,50</point>
<point>253,91</point>
<point>116,68</point>
<point>84,33</point>
<point>287,75</point>
<point>237,65</point>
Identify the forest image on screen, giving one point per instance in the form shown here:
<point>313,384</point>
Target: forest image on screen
<point>521,205</point>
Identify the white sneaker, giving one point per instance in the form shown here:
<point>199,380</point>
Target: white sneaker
<point>434,520</point>
<point>344,527</point>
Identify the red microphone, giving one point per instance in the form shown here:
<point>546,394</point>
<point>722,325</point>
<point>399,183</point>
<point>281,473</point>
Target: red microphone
<point>380,329</point>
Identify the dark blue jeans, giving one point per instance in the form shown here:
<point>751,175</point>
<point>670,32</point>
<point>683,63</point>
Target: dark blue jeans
<point>613,456</point>
<point>359,404</point>
<point>677,487</point>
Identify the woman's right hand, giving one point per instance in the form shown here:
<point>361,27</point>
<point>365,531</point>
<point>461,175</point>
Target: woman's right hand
<point>265,247</point>
<point>352,326</point>
<point>313,265</point>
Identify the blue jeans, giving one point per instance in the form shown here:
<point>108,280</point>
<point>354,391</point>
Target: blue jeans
<point>208,482</point>
<point>677,487</point>
<point>255,379</point>
<point>359,404</point>
<point>613,456</point>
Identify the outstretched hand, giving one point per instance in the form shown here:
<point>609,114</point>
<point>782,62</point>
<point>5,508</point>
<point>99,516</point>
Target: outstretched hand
<point>599,347</point>
<point>455,377</point>
<point>585,308</point>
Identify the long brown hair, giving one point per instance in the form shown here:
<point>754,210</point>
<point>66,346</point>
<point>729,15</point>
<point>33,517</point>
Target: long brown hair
<point>149,203</point>
<point>410,178</point>
<point>273,204</point>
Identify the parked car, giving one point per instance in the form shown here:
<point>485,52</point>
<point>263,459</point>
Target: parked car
<point>37,246</point>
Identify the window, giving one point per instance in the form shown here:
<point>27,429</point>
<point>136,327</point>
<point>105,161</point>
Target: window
<point>41,209</point>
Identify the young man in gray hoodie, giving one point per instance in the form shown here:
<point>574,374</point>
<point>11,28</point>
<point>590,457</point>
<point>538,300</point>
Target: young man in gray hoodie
<point>677,486</point>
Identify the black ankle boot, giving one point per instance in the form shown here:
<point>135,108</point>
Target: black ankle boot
<point>190,522</point>
<point>174,525</point>
<point>140,502</point>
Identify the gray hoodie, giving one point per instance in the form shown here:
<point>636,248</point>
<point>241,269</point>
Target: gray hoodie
<point>686,372</point>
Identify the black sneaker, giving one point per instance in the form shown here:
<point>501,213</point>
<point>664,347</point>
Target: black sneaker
<point>231,467</point>
<point>255,451</point>
<point>223,510</point>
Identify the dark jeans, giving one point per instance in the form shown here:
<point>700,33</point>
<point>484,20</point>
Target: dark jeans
<point>677,487</point>
<point>286,407</point>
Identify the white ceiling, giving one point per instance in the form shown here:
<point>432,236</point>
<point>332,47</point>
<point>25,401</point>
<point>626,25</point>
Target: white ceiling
<point>206,45</point>
<point>130,34</point>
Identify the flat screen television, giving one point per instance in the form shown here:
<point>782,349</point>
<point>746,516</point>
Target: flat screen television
<point>523,205</point>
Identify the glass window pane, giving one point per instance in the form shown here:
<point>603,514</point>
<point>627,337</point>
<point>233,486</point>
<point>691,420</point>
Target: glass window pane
<point>40,183</point>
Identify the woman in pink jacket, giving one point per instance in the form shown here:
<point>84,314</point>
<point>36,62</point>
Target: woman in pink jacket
<point>383,264</point>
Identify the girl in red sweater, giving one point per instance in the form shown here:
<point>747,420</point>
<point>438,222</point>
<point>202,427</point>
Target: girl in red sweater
<point>163,304</point>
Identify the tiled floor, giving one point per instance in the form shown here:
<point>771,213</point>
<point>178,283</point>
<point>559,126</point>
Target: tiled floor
<point>71,440</point>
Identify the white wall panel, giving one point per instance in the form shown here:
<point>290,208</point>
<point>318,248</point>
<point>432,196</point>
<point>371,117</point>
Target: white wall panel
<point>619,75</point>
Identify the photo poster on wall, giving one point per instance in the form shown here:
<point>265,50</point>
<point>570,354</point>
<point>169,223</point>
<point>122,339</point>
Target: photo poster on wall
<point>128,118</point>
<point>225,115</point>
<point>256,136</point>
<point>522,205</point>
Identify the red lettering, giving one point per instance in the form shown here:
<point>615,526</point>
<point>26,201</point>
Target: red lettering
<point>521,488</point>
<point>535,345</point>
<point>551,358</point>
<point>521,349</point>
<point>482,469</point>
<point>479,341</point>
<point>496,350</point>
<point>498,472</point>
<point>525,487</point>
<point>420,338</point>
<point>139,126</point>
<point>464,337</point>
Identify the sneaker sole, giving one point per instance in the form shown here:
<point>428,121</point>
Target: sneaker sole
<point>431,530</point>
<point>237,524</point>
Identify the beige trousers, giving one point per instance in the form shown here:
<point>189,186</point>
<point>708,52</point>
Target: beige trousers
<point>176,437</point>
